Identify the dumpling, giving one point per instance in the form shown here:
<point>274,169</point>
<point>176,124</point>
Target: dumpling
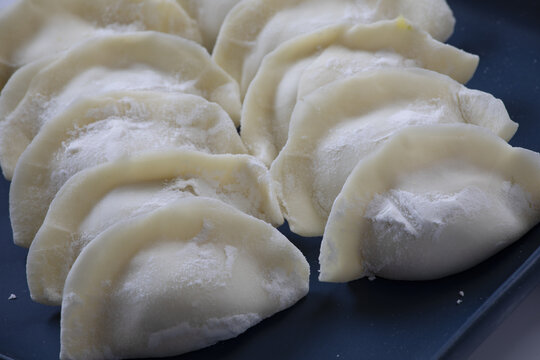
<point>18,84</point>
<point>256,27</point>
<point>311,61</point>
<point>182,278</point>
<point>333,128</point>
<point>431,202</point>
<point>107,128</point>
<point>209,15</point>
<point>104,195</point>
<point>31,30</point>
<point>137,61</point>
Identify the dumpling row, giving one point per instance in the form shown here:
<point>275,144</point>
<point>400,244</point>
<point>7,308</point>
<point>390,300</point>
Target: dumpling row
<point>330,85</point>
<point>101,196</point>
<point>128,172</point>
<point>306,63</point>
<point>135,61</point>
<point>32,30</point>
<point>105,128</point>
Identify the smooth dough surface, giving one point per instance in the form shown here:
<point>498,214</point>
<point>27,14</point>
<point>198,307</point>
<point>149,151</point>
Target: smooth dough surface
<point>18,84</point>
<point>182,278</point>
<point>333,128</point>
<point>31,30</point>
<point>209,15</point>
<point>136,61</point>
<point>311,61</point>
<point>431,202</point>
<point>256,27</point>
<point>95,199</point>
<point>107,128</point>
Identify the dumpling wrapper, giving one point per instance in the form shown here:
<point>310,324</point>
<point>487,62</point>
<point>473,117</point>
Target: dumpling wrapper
<point>333,128</point>
<point>17,85</point>
<point>254,28</point>
<point>31,30</point>
<point>180,279</point>
<point>95,199</point>
<point>311,61</point>
<point>107,128</point>
<point>209,15</point>
<point>431,202</point>
<point>136,61</point>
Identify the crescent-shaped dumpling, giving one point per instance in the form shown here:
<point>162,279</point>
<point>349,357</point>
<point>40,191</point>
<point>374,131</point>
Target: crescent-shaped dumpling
<point>311,61</point>
<point>18,84</point>
<point>95,199</point>
<point>182,278</point>
<point>136,61</point>
<point>107,128</point>
<point>209,15</point>
<point>31,30</point>
<point>431,202</point>
<point>333,128</point>
<point>254,28</point>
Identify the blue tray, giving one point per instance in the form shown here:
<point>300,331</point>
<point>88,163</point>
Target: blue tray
<point>364,319</point>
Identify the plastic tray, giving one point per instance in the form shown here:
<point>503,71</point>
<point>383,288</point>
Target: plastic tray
<point>364,319</point>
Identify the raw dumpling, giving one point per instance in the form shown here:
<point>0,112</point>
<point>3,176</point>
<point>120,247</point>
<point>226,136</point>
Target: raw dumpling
<point>180,279</point>
<point>30,30</point>
<point>311,61</point>
<point>18,84</point>
<point>256,27</point>
<point>333,128</point>
<point>108,128</point>
<point>136,61</point>
<point>209,15</point>
<point>431,202</point>
<point>99,197</point>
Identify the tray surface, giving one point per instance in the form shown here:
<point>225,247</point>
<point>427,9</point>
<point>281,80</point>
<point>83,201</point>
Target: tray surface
<point>378,319</point>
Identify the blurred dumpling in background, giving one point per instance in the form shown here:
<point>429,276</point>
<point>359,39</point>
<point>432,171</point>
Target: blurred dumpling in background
<point>254,28</point>
<point>31,30</point>
<point>209,15</point>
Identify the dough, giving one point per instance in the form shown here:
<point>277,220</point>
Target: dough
<point>95,199</point>
<point>333,128</point>
<point>209,15</point>
<point>31,29</point>
<point>311,61</point>
<point>431,202</point>
<point>182,278</point>
<point>107,128</point>
<point>256,27</point>
<point>136,61</point>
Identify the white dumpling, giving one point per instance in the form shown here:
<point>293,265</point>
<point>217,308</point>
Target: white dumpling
<point>18,84</point>
<point>107,128</point>
<point>209,15</point>
<point>431,202</point>
<point>311,61</point>
<point>256,27</point>
<point>30,30</point>
<point>97,198</point>
<point>136,61</point>
<point>182,278</point>
<point>333,128</point>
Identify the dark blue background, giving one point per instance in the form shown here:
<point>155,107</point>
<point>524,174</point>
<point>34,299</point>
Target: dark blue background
<point>363,320</point>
